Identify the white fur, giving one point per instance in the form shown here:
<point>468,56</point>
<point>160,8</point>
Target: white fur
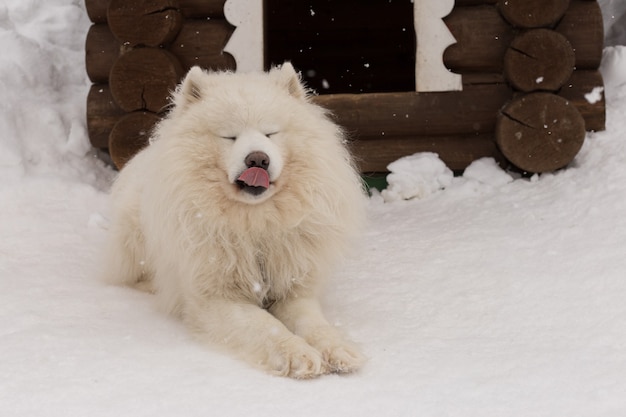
<point>243,271</point>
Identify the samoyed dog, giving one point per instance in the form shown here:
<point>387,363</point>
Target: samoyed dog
<point>234,215</point>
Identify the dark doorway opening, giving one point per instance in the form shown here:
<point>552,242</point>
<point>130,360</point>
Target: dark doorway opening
<point>344,46</point>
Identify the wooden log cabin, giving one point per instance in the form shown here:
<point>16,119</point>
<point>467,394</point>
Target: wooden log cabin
<point>518,81</point>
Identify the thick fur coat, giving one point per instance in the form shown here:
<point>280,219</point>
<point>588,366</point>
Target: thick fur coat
<point>236,213</point>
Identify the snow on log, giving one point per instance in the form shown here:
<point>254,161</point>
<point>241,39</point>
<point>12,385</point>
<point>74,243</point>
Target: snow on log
<point>577,89</point>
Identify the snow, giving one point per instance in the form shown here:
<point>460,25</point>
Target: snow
<point>495,296</point>
<point>416,176</point>
<point>595,95</point>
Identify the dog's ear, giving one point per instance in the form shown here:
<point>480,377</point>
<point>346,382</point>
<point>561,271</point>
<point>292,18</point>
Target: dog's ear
<point>287,77</point>
<point>189,90</point>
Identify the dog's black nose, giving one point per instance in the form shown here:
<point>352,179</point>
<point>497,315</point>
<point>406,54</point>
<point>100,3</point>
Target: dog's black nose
<point>257,159</point>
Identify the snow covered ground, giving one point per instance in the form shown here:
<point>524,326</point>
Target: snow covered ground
<point>495,296</point>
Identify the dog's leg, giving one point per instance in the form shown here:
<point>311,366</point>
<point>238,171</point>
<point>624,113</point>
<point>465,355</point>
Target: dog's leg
<point>124,262</point>
<point>304,317</point>
<point>257,336</point>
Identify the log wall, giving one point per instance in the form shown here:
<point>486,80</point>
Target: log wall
<point>527,67</point>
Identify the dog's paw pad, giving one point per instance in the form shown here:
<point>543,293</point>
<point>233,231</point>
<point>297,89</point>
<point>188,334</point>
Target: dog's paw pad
<point>296,359</point>
<point>343,358</point>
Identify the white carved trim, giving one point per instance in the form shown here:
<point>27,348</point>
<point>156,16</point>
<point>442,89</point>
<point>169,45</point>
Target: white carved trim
<point>246,44</point>
<point>433,37</point>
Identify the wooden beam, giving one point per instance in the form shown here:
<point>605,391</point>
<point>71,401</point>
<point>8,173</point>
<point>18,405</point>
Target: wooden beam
<point>470,111</point>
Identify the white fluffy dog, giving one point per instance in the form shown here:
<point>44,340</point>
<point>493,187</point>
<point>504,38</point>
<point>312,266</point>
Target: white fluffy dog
<point>235,213</point>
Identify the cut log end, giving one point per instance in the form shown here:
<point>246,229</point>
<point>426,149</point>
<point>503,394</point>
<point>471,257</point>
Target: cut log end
<point>539,60</point>
<point>130,135</point>
<point>143,78</point>
<point>540,132</point>
<point>151,23</point>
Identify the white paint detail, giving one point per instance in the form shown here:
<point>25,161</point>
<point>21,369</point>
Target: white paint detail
<point>246,44</point>
<point>433,37</point>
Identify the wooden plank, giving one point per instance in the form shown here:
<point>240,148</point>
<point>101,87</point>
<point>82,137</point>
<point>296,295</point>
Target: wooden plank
<point>434,37</point>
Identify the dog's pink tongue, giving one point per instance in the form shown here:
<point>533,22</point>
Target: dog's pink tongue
<point>255,177</point>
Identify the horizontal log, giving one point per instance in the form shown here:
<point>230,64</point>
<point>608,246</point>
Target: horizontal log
<point>457,152</point>
<point>102,114</point>
<point>143,78</point>
<point>190,9</point>
<point>578,89</point>
<point>147,23</point>
<point>199,42</point>
<point>539,60</point>
<point>97,10</point>
<point>101,51</point>
<point>483,37</point>
<point>202,9</point>
<point>583,27</point>
<point>470,111</point>
<point>530,14</point>
<point>373,116</point>
<point>540,132</point>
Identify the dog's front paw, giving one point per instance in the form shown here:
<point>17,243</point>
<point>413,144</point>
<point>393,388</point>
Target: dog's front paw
<point>297,359</point>
<point>343,357</point>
